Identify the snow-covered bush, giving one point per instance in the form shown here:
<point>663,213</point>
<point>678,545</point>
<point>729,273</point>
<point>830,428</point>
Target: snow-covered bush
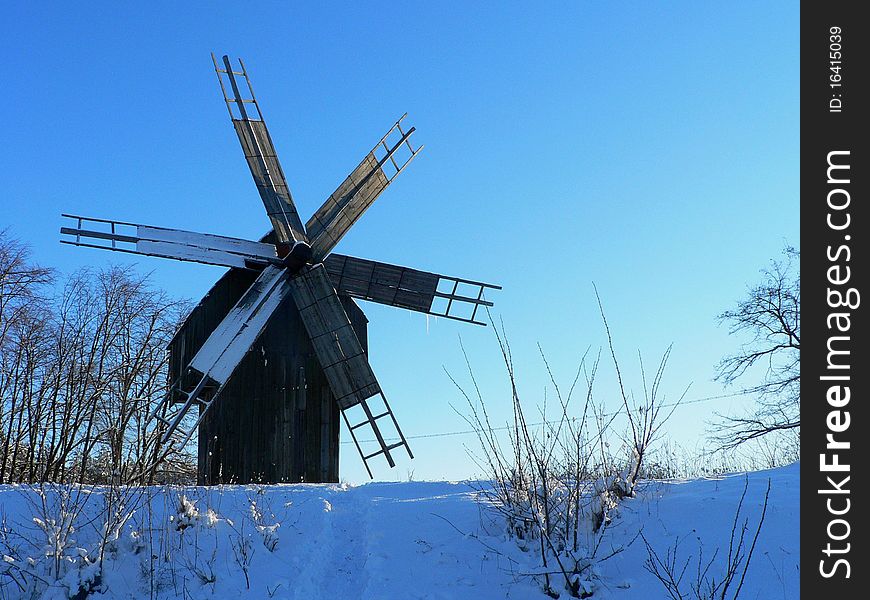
<point>47,558</point>
<point>187,514</point>
<point>556,485</point>
<point>268,532</point>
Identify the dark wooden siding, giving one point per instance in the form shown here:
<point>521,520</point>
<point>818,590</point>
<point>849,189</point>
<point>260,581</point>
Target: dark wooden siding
<point>276,420</point>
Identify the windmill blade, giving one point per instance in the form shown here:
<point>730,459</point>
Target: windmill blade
<point>343,360</point>
<point>260,153</point>
<point>222,352</point>
<point>377,170</point>
<point>430,293</point>
<point>176,244</point>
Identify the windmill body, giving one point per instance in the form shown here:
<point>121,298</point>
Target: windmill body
<point>275,355</point>
<point>276,420</point>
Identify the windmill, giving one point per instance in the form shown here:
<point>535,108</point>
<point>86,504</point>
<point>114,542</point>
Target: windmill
<point>281,333</point>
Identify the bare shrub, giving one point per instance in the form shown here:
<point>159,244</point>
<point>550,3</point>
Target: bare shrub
<point>556,485</point>
<point>708,583</point>
<point>645,417</point>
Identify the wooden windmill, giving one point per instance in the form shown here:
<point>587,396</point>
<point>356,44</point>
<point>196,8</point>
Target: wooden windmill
<point>277,349</point>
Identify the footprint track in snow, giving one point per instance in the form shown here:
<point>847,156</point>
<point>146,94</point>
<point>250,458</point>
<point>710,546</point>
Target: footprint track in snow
<point>337,557</point>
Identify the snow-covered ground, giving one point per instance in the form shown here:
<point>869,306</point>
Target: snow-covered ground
<point>381,540</point>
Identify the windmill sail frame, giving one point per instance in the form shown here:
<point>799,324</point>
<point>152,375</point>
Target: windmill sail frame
<point>299,265</point>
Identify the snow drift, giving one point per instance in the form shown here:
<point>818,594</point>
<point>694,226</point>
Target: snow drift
<point>380,540</point>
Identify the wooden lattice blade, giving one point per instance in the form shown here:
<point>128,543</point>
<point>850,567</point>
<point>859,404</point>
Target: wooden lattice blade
<point>222,352</point>
<point>226,346</point>
<point>393,285</point>
<point>344,362</point>
<point>259,152</point>
<point>346,205</point>
<point>263,162</point>
<point>360,189</point>
<point>338,350</point>
<point>176,244</point>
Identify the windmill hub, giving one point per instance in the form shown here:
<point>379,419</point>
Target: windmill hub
<point>298,256</point>
<point>296,316</point>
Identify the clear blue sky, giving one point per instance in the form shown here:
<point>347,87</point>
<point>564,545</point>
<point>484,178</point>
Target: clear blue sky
<point>650,148</point>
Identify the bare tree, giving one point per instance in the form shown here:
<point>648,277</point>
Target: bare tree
<point>770,316</point>
<point>80,371</point>
<point>21,281</point>
<point>22,335</point>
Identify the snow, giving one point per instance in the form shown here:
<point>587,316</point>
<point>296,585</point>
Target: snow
<point>380,540</point>
<point>191,253</point>
<point>207,241</point>
<point>225,347</point>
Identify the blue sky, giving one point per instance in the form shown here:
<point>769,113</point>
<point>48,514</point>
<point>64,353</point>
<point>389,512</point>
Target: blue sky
<point>651,149</point>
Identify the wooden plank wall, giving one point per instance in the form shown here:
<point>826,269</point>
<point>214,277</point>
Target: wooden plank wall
<point>276,421</point>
